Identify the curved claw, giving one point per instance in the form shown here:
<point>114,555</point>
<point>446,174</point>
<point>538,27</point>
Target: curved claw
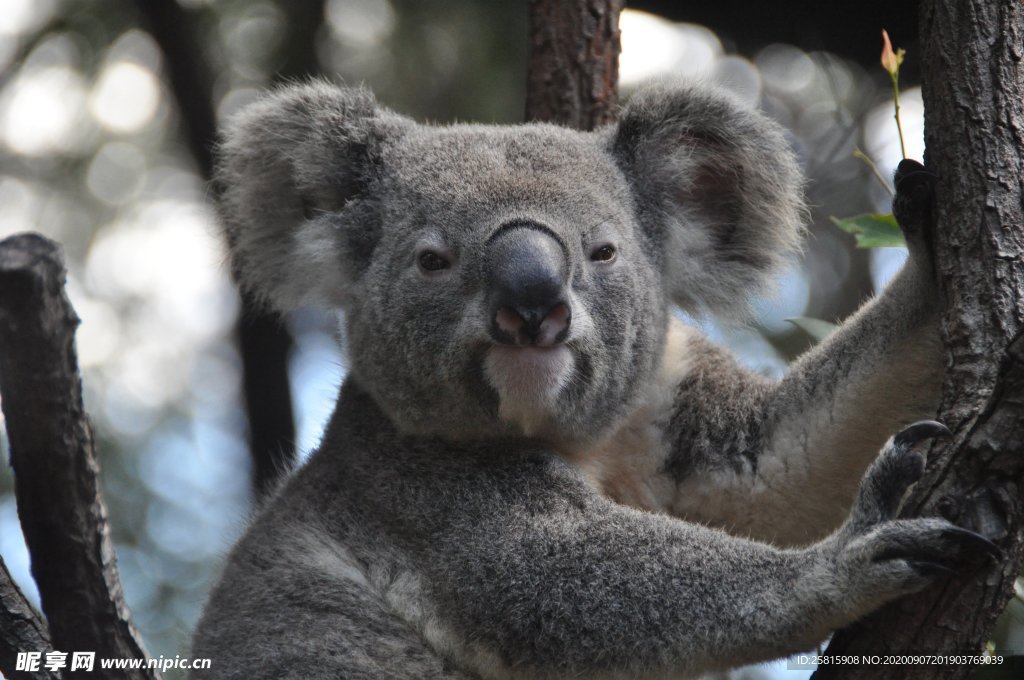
<point>917,432</point>
<point>954,548</point>
<point>975,540</point>
<point>927,568</point>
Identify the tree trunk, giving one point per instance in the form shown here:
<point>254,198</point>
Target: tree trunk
<point>55,470</point>
<point>573,69</point>
<point>974,127</point>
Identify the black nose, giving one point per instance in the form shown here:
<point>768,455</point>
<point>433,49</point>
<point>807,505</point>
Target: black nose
<point>526,273</point>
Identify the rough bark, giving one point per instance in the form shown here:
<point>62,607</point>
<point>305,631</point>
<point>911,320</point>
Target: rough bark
<point>21,629</point>
<point>55,470</point>
<point>263,342</point>
<point>974,129</point>
<point>573,66</point>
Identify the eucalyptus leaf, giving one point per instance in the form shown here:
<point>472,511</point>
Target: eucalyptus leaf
<point>872,230</point>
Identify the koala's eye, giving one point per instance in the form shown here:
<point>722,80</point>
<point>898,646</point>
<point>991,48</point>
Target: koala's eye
<point>605,253</point>
<point>432,262</point>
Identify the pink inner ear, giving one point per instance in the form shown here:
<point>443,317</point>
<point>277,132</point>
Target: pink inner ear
<point>712,194</point>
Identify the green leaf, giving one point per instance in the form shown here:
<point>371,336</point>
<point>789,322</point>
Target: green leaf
<point>818,329</point>
<point>872,230</point>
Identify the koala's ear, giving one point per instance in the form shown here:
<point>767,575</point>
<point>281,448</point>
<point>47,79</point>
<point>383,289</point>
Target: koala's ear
<point>718,191</point>
<point>292,178</point>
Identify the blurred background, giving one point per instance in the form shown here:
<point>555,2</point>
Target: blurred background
<point>107,114</point>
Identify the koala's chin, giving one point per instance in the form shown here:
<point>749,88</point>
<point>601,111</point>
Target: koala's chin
<point>528,381</point>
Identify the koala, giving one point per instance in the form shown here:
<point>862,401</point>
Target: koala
<point>533,469</point>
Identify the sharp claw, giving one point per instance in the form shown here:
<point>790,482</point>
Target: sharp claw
<point>936,561</point>
<point>977,541</point>
<point>917,432</point>
<point>926,568</point>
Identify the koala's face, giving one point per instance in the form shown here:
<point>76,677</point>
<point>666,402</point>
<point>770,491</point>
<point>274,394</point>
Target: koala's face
<point>509,290</point>
<point>501,281</point>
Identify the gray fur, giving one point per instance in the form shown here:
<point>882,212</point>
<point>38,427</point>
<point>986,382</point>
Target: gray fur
<point>718,191</point>
<point>458,522</point>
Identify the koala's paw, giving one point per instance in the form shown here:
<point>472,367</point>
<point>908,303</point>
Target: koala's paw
<point>897,468</point>
<point>880,558</point>
<point>913,204</point>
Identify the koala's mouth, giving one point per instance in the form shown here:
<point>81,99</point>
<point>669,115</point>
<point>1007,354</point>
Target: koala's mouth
<point>528,381</point>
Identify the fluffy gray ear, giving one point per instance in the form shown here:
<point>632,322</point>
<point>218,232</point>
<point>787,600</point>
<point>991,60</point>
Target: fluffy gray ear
<point>718,191</point>
<point>293,173</point>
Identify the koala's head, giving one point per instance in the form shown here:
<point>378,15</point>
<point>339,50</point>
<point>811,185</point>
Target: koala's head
<point>513,280</point>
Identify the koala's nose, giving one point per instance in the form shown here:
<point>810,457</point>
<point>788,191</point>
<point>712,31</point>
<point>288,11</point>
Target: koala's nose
<point>526,272</point>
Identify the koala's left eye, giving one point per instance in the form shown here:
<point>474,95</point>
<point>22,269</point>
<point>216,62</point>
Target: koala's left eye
<point>605,253</point>
<point>432,262</point>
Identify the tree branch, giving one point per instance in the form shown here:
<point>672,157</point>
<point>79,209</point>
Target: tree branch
<point>974,127</point>
<point>171,26</point>
<point>21,629</point>
<point>573,68</point>
<point>55,468</point>
<point>263,342</point>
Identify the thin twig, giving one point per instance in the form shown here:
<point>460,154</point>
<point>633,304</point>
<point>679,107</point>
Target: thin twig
<point>857,153</point>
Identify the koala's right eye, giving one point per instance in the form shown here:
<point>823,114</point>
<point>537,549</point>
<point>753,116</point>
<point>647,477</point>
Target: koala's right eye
<point>431,262</point>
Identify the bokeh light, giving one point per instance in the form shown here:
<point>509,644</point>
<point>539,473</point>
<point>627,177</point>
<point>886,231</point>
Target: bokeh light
<point>361,23</point>
<point>653,47</point>
<point>41,113</point>
<point>125,97</point>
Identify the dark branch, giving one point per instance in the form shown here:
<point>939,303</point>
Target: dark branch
<point>298,59</point>
<point>172,27</point>
<point>263,342</point>
<point>21,629</point>
<point>55,468</point>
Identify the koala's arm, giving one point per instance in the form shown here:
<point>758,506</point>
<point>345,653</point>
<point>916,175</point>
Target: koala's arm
<point>781,461</point>
<point>641,594</point>
<point>594,586</point>
<point>524,572</point>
